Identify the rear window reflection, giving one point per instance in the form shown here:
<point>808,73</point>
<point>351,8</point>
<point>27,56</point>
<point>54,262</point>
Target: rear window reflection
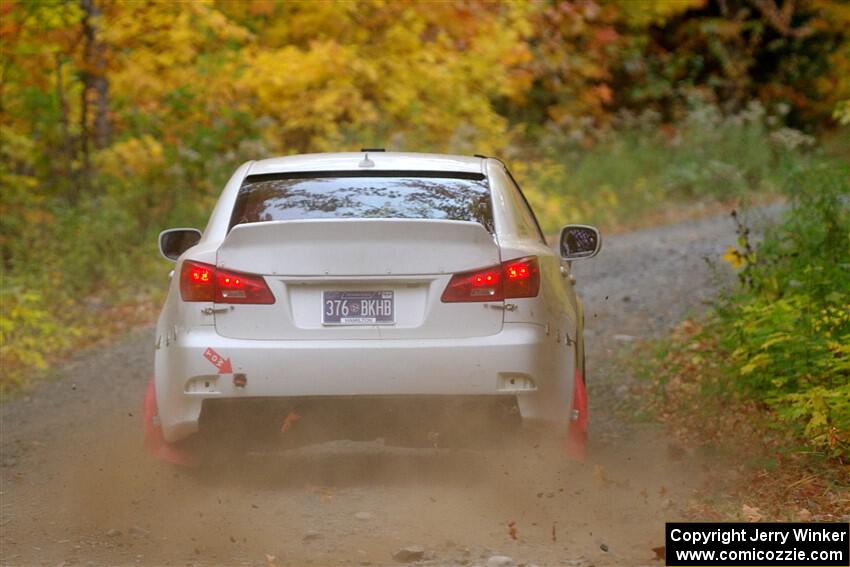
<point>363,197</point>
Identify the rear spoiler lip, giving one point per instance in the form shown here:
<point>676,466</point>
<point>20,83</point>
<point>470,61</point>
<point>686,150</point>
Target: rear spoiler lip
<point>258,177</point>
<point>342,220</point>
<point>480,246</point>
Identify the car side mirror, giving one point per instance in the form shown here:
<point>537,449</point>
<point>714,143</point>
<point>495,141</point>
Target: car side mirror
<point>580,241</point>
<point>175,241</point>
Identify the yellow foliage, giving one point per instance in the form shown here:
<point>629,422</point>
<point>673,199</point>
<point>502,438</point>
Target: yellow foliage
<point>758,361</point>
<point>132,158</point>
<point>734,258</point>
<point>647,12</point>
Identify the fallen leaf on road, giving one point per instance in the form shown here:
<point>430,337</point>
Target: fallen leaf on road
<point>512,529</point>
<point>660,553</point>
<point>751,513</point>
<point>325,493</point>
<point>289,421</point>
<point>600,475</point>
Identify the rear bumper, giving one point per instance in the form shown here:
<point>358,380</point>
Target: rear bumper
<point>516,362</point>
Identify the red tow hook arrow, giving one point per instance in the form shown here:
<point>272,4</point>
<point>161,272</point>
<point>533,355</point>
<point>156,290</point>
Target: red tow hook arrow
<point>223,364</point>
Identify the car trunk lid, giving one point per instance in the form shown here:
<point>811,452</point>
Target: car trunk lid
<point>359,264</point>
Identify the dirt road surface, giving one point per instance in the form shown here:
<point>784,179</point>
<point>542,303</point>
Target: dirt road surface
<point>77,488</point>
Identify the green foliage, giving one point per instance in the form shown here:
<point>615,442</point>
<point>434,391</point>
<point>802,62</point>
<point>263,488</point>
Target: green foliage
<point>788,329</point>
<point>29,331</point>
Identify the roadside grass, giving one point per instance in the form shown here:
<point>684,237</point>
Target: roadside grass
<point>765,376</point>
<point>639,170</point>
<point>42,322</point>
<point>42,338</point>
<point>787,328</point>
<point>773,472</point>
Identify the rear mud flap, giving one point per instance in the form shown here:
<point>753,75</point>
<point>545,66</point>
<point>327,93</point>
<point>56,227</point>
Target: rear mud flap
<point>154,441</point>
<point>575,443</point>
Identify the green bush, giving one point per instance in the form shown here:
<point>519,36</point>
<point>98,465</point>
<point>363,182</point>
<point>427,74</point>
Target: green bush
<point>788,328</point>
<point>98,248</point>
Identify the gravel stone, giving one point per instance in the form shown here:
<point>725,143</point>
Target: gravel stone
<point>138,531</point>
<point>409,554</point>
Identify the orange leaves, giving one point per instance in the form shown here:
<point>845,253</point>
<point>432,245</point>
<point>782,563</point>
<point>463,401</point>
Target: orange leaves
<point>606,35</point>
<point>604,93</point>
<point>324,493</point>
<point>289,422</point>
<point>261,7</point>
<point>751,513</point>
<point>575,51</point>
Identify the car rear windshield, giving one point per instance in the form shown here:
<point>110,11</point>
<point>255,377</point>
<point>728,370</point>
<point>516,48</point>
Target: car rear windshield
<point>374,195</point>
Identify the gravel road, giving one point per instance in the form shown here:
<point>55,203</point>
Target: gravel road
<point>77,489</point>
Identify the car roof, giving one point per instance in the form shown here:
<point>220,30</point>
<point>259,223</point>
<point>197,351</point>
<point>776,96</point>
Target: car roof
<point>383,161</point>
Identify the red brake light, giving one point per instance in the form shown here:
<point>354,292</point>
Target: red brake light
<point>197,281</point>
<point>232,287</point>
<point>522,277</point>
<point>203,282</point>
<point>483,285</point>
<point>511,279</point>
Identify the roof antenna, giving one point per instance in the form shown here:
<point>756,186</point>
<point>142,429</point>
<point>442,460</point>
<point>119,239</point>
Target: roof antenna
<point>366,162</point>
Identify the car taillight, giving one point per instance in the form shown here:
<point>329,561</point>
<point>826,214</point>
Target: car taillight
<point>197,281</point>
<point>522,277</point>
<point>203,282</point>
<point>511,279</point>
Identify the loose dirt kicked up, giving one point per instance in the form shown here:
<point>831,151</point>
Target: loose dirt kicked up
<point>77,487</point>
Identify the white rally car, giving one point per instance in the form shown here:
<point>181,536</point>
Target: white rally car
<point>381,285</point>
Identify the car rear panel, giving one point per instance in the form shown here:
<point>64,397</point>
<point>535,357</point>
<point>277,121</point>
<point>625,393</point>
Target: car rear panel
<point>509,363</point>
<point>414,259</point>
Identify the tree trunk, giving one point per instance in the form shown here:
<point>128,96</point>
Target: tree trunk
<point>85,154</point>
<point>67,142</point>
<point>95,83</point>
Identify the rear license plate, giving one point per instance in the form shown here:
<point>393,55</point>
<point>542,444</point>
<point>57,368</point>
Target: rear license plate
<point>358,308</point>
